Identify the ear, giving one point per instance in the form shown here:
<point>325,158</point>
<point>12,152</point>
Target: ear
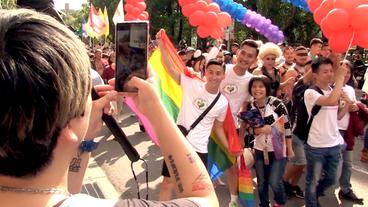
<point>68,135</point>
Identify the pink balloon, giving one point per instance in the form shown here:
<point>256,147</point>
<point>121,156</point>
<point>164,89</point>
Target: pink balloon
<point>223,19</point>
<point>188,9</point>
<point>208,1</point>
<point>210,19</point>
<point>141,6</point>
<point>203,31</point>
<point>337,19</point>
<point>196,18</point>
<point>201,5</point>
<point>359,17</point>
<point>314,4</point>
<point>361,38</point>
<point>213,7</point>
<point>339,41</point>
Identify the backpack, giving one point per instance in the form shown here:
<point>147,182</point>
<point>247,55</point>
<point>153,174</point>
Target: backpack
<point>302,121</point>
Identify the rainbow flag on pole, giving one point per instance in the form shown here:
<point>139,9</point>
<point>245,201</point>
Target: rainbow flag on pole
<point>171,95</point>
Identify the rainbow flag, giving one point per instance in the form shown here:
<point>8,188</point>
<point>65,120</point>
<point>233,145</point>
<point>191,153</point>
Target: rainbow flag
<point>245,184</point>
<point>171,95</point>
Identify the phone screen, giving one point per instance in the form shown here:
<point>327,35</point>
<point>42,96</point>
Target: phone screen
<point>131,53</point>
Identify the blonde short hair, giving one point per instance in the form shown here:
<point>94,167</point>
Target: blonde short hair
<point>269,48</point>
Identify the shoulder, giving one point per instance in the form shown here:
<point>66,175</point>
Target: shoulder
<point>146,203</point>
<point>257,71</point>
<point>86,200</point>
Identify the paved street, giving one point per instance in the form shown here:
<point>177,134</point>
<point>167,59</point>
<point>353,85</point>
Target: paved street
<point>110,165</point>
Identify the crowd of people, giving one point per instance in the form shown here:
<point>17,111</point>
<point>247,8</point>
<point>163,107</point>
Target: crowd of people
<point>48,126</point>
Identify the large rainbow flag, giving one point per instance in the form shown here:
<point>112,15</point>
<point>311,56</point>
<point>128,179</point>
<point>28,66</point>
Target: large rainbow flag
<point>170,92</point>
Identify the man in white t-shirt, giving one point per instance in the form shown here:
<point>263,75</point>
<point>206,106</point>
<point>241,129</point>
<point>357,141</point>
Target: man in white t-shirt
<point>323,151</point>
<point>235,88</point>
<point>197,96</point>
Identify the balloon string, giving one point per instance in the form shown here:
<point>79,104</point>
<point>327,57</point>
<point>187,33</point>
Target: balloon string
<point>351,42</point>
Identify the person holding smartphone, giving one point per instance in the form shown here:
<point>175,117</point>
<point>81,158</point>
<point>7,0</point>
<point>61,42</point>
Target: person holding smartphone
<point>47,115</point>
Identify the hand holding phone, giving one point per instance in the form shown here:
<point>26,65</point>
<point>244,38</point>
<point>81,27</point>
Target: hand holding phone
<point>131,53</point>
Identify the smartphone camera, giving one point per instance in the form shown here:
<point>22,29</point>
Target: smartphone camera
<point>131,42</point>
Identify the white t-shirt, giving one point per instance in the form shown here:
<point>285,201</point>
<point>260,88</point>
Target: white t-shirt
<point>235,88</point>
<point>195,100</point>
<point>344,122</point>
<point>324,131</point>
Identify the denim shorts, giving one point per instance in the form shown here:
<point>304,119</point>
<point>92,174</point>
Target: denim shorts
<point>298,147</point>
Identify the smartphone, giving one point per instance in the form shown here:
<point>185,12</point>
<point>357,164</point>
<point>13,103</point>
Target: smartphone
<point>131,41</point>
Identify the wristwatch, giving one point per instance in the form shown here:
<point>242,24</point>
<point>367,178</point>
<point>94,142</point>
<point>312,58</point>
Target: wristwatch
<point>88,146</point>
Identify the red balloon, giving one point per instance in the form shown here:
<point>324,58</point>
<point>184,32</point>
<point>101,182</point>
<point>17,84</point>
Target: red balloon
<point>203,31</point>
<point>361,38</point>
<point>223,19</point>
<point>145,13</point>
<point>359,17</point>
<point>314,4</point>
<point>208,1</point>
<point>188,9</point>
<point>183,2</point>
<point>128,17</point>
<point>213,7</point>
<point>128,8</point>
<point>210,19</point>
<point>141,6</point>
<point>325,29</point>
<point>217,33</point>
<point>337,19</point>
<point>196,18</point>
<point>136,11</point>
<point>339,41</point>
<point>201,5</point>
<point>349,5</point>
<point>322,11</point>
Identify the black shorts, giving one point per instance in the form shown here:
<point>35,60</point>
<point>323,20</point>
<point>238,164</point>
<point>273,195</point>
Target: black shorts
<point>165,170</point>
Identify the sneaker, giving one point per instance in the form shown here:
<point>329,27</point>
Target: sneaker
<point>288,189</point>
<point>350,196</point>
<point>233,204</point>
<point>297,191</point>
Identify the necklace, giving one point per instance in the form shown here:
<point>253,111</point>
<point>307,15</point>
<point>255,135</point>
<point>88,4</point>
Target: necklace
<point>35,191</point>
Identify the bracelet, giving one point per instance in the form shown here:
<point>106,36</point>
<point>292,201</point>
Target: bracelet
<point>88,146</point>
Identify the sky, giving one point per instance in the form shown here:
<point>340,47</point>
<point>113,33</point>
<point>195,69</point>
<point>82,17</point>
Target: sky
<point>73,4</point>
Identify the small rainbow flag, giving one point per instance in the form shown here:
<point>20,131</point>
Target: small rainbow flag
<point>278,138</point>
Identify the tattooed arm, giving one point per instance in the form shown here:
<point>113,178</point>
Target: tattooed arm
<point>190,176</point>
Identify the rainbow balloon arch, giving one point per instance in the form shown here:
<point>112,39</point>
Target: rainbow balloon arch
<point>343,22</point>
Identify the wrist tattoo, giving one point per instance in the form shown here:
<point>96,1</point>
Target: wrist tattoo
<point>201,183</point>
<point>75,164</point>
<point>176,174</point>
